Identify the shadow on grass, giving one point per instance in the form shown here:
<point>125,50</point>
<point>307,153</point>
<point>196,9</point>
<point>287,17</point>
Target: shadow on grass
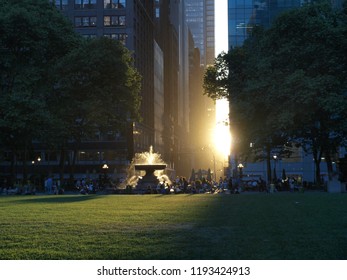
<point>53,199</point>
<point>262,227</point>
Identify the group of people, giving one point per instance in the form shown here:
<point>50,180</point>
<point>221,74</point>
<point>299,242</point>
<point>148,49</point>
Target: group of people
<point>179,185</point>
<point>182,185</point>
<point>87,186</point>
<point>52,186</point>
<point>17,188</point>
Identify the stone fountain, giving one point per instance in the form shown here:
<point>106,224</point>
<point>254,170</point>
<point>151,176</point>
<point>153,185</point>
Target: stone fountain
<point>146,172</point>
<point>149,180</point>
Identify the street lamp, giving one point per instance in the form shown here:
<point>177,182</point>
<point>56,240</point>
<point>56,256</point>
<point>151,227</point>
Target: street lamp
<point>33,172</point>
<point>275,174</point>
<point>105,168</point>
<point>240,166</point>
<point>39,170</point>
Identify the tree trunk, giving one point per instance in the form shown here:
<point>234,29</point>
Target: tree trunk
<point>329,165</point>
<point>76,148</point>
<point>62,163</point>
<point>268,164</point>
<point>73,165</point>
<point>13,168</point>
<point>24,163</point>
<point>317,156</point>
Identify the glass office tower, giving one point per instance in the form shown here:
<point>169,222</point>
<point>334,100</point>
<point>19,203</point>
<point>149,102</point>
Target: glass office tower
<point>244,14</point>
<point>200,20</point>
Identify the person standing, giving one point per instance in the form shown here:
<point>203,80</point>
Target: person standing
<point>49,185</point>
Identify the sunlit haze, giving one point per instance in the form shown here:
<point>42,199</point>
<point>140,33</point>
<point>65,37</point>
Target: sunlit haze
<point>222,132</point>
<point>221,135</point>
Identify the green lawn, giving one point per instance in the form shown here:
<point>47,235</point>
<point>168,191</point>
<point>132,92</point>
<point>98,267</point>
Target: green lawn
<point>246,226</point>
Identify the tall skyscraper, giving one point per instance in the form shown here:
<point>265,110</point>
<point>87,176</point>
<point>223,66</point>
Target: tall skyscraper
<point>200,20</point>
<point>244,14</point>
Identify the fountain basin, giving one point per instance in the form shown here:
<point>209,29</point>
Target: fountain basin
<point>149,180</point>
<point>150,167</point>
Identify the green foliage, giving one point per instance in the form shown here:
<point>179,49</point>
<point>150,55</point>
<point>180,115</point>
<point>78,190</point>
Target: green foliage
<point>96,87</point>
<point>285,80</point>
<point>55,85</point>
<point>215,78</point>
<point>33,36</point>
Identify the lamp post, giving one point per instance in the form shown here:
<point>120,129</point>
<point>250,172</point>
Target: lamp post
<point>33,172</point>
<point>38,170</point>
<point>275,174</point>
<point>240,166</point>
<point>105,168</point>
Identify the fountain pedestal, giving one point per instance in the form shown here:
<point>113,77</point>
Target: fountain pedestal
<point>149,180</point>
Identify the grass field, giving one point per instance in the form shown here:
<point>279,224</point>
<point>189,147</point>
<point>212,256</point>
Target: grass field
<point>246,226</point>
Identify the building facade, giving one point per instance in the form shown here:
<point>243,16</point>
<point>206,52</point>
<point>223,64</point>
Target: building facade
<point>155,32</point>
<point>200,19</point>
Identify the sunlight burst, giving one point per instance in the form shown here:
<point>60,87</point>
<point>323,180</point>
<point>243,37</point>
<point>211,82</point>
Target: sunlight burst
<point>222,137</point>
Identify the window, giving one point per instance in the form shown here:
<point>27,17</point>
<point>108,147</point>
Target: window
<point>121,37</point>
<point>78,4</point>
<point>88,156</point>
<point>114,20</point>
<point>85,21</point>
<point>61,4</point>
<point>78,21</point>
<point>89,36</point>
<point>107,21</point>
<point>92,21</point>
<point>121,20</point>
<point>85,4</point>
<point>114,4</point>
<point>121,3</point>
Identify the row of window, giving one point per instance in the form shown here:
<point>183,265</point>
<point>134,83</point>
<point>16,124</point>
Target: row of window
<point>114,20</point>
<point>91,4</point>
<point>91,21</point>
<point>114,4</point>
<point>85,4</point>
<point>115,36</point>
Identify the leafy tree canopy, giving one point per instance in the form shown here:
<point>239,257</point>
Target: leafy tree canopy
<point>34,35</point>
<point>288,80</point>
<point>55,85</point>
<point>96,86</point>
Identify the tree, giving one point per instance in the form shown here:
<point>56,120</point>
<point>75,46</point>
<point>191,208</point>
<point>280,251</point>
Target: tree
<point>243,76</point>
<point>97,89</point>
<point>34,35</point>
<point>288,83</point>
<point>313,87</point>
